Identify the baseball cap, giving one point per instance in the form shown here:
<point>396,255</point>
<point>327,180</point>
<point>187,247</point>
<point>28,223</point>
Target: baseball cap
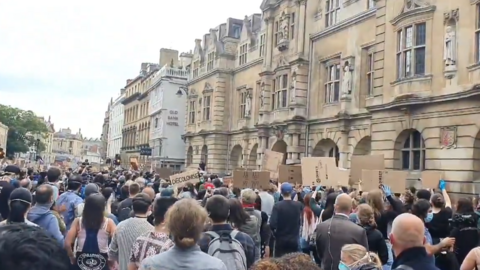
<point>286,188</point>
<point>209,185</point>
<point>91,189</point>
<point>12,169</point>
<point>21,194</point>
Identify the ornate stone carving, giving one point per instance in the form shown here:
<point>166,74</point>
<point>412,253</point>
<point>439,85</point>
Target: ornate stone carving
<point>450,43</point>
<point>283,40</point>
<point>263,95</point>
<point>347,79</point>
<point>448,137</point>
<point>293,87</point>
<point>281,61</point>
<point>248,104</point>
<point>413,4</point>
<point>279,132</point>
<point>230,48</point>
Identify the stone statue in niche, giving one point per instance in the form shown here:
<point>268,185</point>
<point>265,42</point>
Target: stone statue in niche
<point>263,95</point>
<point>248,105</point>
<point>450,46</point>
<point>293,87</point>
<point>284,27</point>
<point>347,79</point>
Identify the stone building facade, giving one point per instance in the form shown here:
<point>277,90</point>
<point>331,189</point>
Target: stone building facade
<point>67,143</point>
<point>3,136</point>
<point>342,78</point>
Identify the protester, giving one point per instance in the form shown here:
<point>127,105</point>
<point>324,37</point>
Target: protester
<point>42,215</point>
<point>20,202</point>
<point>357,257</point>
<point>24,247</point>
<point>285,222</point>
<point>336,232</point>
<point>125,207</point>
<point>185,221</point>
<point>67,203</point>
<point>129,230</point>
<point>154,242</point>
<point>92,232</point>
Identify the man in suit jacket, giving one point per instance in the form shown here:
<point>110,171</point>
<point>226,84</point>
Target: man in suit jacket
<point>334,233</point>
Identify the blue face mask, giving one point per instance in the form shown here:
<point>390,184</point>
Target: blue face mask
<point>343,266</point>
<point>429,218</point>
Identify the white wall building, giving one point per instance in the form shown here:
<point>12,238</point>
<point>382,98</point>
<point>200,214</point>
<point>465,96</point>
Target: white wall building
<point>167,116</point>
<point>115,127</point>
<point>93,157</point>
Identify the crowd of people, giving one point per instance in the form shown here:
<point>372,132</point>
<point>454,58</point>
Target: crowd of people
<point>128,220</point>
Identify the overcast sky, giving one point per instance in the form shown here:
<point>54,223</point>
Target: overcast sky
<point>66,59</point>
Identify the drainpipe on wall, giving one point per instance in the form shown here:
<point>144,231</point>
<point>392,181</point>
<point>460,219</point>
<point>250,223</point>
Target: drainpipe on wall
<point>310,68</point>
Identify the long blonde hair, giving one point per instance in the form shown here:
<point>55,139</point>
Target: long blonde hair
<point>360,255</point>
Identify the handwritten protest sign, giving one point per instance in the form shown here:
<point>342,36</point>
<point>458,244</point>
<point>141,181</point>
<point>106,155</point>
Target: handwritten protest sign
<point>192,176</point>
<point>396,180</point>
<point>251,179</point>
<point>271,162</point>
<point>164,172</point>
<point>290,173</point>
<point>315,170</point>
<point>430,179</point>
<point>367,162</point>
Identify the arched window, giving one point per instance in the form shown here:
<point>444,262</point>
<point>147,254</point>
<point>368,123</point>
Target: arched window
<point>334,153</point>
<point>413,152</point>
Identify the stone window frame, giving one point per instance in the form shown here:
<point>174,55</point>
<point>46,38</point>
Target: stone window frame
<point>332,7</point>
<point>370,71</point>
<point>206,107</point>
<point>192,107</point>
<point>370,4</point>
<point>402,50</point>
<point>262,44</point>
<point>334,62</point>
<point>210,60</point>
<point>276,30</point>
<point>411,149</point>
<point>280,89</point>
<point>196,68</point>
<point>476,45</point>
<point>243,101</point>
<point>243,54</point>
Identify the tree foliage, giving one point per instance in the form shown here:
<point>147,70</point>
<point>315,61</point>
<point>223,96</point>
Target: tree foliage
<point>24,127</point>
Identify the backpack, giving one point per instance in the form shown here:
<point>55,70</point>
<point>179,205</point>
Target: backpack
<point>124,213</point>
<point>253,226</point>
<point>228,249</point>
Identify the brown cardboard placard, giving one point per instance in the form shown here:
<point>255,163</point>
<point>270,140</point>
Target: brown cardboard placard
<point>338,177</point>
<point>164,172</point>
<point>396,180</point>
<point>251,179</point>
<point>271,162</point>
<point>430,179</point>
<point>192,176</point>
<point>290,173</point>
<point>316,170</point>
<point>366,162</point>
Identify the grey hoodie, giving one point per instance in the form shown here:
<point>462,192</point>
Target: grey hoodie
<point>41,215</point>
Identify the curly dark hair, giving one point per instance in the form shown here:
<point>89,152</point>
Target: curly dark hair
<point>26,247</point>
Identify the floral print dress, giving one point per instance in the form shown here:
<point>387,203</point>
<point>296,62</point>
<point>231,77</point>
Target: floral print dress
<point>149,244</point>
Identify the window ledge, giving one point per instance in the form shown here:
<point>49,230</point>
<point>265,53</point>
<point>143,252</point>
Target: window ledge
<point>416,78</point>
<point>416,14</point>
<point>473,67</point>
<point>336,103</point>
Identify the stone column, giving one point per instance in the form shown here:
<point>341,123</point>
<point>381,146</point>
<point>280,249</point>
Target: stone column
<point>343,147</point>
<point>270,46</point>
<point>301,26</point>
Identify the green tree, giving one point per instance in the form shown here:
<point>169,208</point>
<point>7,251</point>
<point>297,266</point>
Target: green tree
<point>23,126</point>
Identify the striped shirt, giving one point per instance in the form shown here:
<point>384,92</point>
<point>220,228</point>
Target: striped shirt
<point>124,238</point>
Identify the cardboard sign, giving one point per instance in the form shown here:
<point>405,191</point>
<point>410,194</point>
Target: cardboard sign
<point>192,176</point>
<point>367,162</point>
<point>372,179</point>
<point>164,172</point>
<point>251,179</point>
<point>338,177</point>
<point>290,173</point>
<point>271,162</point>
<point>316,170</point>
<point>430,179</point>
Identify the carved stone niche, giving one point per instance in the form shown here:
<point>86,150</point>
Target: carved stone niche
<point>283,33</point>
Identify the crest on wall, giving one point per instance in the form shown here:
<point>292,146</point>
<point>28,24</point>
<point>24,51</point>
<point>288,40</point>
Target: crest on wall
<point>279,132</point>
<point>448,137</point>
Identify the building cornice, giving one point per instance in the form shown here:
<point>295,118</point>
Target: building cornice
<point>248,65</point>
<point>344,24</point>
<point>133,81</point>
<point>131,98</point>
<point>412,99</point>
<point>416,12</point>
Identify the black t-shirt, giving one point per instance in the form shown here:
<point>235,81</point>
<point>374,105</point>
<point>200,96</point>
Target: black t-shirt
<point>289,215</point>
<point>439,225</point>
<point>5,191</point>
<point>124,209</point>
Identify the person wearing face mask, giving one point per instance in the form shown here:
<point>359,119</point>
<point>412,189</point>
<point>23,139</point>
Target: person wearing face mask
<point>421,209</point>
<point>41,214</point>
<point>357,257</point>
